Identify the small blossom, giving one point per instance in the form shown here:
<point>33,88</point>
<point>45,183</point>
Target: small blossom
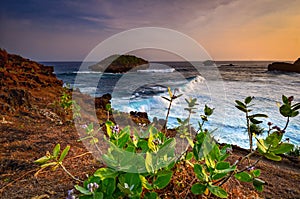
<point>157,141</point>
<point>96,185</point>
<point>291,98</point>
<point>251,168</point>
<point>84,126</point>
<point>229,150</point>
<point>270,123</point>
<point>115,129</point>
<point>70,194</point>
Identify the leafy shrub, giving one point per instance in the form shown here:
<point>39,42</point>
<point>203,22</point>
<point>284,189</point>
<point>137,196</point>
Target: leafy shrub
<point>143,160</point>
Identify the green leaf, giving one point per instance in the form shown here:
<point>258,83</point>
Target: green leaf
<point>258,184</point>
<point>170,92</point>
<point>240,104</point>
<point>272,156</point>
<point>151,195</point>
<point>49,164</point>
<point>108,186</point>
<point>166,98</point>
<point>258,115</point>
<point>98,195</point>
<point>200,173</point>
<point>256,172</point>
<point>242,109</point>
<point>208,111</point>
<point>108,106</point>
<point>285,110</point>
<point>217,191</point>
<point>56,150</point>
<point>151,144</point>
<point>64,153</point>
<point>274,138</point>
<point>283,148</point>
<point>294,113</point>
<point>42,160</point>
<point>261,146</point>
<point>189,156</point>
<point>145,183</point>
<point>222,165</point>
<point>163,179</point>
<point>248,99</point>
<point>108,125</point>
<point>198,188</point>
<point>254,121</point>
<point>104,173</point>
<point>148,163</point>
<point>83,190</point>
<point>122,139</point>
<point>296,106</point>
<point>285,99</point>
<point>243,176</point>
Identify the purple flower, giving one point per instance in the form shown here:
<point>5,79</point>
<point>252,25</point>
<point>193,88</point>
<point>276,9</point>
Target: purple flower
<point>270,123</point>
<point>70,194</point>
<point>229,150</point>
<point>116,129</point>
<point>92,186</point>
<point>251,168</point>
<point>291,98</point>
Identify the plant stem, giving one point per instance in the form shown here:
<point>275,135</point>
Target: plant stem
<point>287,123</point>
<point>249,132</point>
<point>64,168</point>
<point>167,117</point>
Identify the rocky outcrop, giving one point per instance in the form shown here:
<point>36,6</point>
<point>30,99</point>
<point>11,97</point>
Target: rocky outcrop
<point>24,83</point>
<point>285,67</point>
<point>31,89</point>
<point>120,64</point>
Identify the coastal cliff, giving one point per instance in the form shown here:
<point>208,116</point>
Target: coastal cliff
<point>285,67</point>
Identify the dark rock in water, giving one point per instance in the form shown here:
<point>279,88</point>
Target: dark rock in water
<point>120,64</point>
<point>297,62</point>
<point>101,102</point>
<point>208,63</point>
<point>285,67</point>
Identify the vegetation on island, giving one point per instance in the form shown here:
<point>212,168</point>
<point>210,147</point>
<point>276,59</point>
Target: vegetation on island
<point>119,64</point>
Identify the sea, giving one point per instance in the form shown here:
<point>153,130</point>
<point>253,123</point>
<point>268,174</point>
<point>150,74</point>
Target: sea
<point>217,85</point>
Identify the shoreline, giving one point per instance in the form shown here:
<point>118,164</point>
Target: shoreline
<point>32,122</point>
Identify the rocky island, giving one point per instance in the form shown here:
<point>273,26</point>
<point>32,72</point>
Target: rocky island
<point>120,64</point>
<point>285,67</point>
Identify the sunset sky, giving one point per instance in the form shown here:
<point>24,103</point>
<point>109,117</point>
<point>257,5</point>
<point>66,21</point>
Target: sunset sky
<point>227,29</point>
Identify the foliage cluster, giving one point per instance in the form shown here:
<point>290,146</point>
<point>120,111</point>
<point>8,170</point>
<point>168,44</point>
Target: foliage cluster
<point>139,162</point>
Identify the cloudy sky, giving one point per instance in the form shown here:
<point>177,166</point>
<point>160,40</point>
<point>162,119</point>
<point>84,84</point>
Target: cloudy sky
<point>227,29</point>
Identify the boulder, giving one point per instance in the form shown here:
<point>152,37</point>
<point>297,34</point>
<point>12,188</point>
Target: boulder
<point>285,67</point>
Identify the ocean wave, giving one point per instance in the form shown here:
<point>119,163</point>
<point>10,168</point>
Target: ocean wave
<point>168,70</point>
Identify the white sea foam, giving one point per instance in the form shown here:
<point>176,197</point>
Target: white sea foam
<point>168,70</point>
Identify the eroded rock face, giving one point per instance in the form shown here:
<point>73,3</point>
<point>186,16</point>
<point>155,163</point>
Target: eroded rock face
<point>24,83</point>
<point>285,67</point>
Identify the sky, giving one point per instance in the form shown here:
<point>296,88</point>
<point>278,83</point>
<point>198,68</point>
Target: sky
<point>67,30</point>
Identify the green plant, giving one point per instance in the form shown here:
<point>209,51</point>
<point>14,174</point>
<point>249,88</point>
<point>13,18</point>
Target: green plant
<point>252,120</point>
<point>54,160</point>
<point>67,103</point>
<point>153,160</point>
<point>144,160</point>
<point>171,98</point>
